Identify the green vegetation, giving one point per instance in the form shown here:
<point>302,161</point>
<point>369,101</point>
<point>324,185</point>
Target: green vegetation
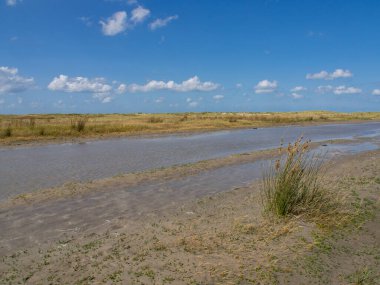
<point>31,128</point>
<point>292,185</point>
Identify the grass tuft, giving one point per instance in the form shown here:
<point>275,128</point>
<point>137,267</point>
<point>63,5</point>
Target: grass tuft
<point>7,132</point>
<point>292,185</point>
<point>79,124</point>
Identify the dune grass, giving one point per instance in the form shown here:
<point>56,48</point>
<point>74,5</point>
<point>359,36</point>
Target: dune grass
<point>29,128</point>
<point>293,184</point>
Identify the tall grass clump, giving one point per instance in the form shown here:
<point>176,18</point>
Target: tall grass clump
<point>7,132</point>
<point>79,124</point>
<point>292,185</point>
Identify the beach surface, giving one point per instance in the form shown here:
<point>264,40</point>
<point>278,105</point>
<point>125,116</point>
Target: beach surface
<point>197,222</point>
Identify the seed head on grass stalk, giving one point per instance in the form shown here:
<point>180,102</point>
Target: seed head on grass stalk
<point>292,185</point>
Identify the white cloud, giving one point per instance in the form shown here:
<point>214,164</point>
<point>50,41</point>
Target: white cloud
<point>298,89</point>
<point>320,75</point>
<point>11,82</point>
<point>159,23</point>
<point>121,89</point>
<point>139,14</point>
<point>239,85</point>
<point>346,90</point>
<point>218,97</point>
<point>79,84</point>
<point>115,24</point>
<point>192,84</point>
<point>338,73</point>
<point>296,95</point>
<point>107,99</point>
<point>376,92</point>
<point>325,89</point>
<point>12,2</point>
<point>265,86</point>
<point>338,89</point>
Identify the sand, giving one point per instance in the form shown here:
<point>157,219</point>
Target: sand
<point>221,238</point>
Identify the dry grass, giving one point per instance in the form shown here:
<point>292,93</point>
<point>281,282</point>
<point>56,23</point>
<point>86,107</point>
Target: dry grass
<point>29,128</point>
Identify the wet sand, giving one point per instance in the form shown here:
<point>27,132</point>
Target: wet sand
<point>28,169</point>
<point>202,238</point>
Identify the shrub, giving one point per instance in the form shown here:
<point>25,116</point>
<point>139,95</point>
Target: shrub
<point>292,184</point>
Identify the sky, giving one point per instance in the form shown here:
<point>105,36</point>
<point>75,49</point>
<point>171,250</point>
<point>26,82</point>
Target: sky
<point>127,56</point>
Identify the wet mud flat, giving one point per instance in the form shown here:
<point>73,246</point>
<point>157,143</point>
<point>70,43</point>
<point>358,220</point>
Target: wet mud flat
<point>30,220</point>
<point>27,169</point>
<point>176,233</point>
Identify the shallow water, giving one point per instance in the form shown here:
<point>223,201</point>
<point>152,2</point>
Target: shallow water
<point>30,168</point>
<point>34,224</point>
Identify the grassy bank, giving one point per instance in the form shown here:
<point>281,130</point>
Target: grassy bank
<point>37,128</point>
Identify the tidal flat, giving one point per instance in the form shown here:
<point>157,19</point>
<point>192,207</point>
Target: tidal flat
<point>198,222</point>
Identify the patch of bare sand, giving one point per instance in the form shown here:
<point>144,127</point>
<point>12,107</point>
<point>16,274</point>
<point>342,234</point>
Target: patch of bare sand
<point>221,239</point>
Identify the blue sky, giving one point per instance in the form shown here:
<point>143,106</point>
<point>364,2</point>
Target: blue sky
<point>122,56</point>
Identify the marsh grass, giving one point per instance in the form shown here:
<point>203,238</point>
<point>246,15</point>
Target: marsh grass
<point>293,185</point>
<point>59,126</point>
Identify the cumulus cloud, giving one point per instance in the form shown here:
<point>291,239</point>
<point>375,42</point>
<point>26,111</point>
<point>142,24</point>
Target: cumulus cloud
<point>265,86</point>
<point>192,84</point>
<point>159,23</point>
<point>298,89</point>
<point>79,84</point>
<point>218,97</point>
<point>296,95</point>
<point>324,89</point>
<point>122,88</point>
<point>115,24</point>
<point>342,89</point>
<point>103,97</point>
<point>346,90</point>
<point>376,92</point>
<point>338,73</point>
<point>139,14</point>
<point>11,82</point>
